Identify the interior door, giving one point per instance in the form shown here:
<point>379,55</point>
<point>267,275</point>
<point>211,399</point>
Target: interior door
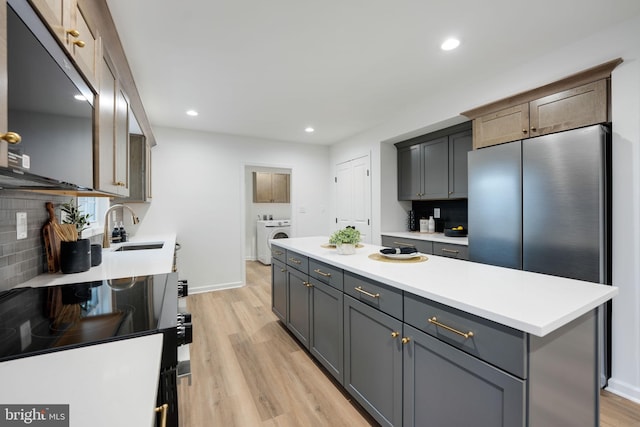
<point>353,196</point>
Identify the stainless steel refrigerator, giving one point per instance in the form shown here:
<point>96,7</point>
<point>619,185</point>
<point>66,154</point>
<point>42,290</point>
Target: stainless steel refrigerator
<point>543,205</point>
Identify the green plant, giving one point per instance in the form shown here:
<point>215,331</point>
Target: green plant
<point>347,235</point>
<point>74,216</point>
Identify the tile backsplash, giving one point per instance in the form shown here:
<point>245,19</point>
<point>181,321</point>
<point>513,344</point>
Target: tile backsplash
<point>21,260</point>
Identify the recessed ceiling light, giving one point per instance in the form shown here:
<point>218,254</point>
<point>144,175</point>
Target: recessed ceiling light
<point>192,113</point>
<point>80,97</point>
<point>309,129</point>
<point>450,44</point>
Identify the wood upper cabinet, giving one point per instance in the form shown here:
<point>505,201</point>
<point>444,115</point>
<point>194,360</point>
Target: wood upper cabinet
<point>271,187</point>
<point>111,167</point>
<point>579,100</point>
<point>75,31</point>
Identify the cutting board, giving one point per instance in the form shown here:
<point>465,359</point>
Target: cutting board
<point>51,241</point>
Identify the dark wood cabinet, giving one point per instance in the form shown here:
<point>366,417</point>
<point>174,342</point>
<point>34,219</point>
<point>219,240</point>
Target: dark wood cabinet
<point>434,166</point>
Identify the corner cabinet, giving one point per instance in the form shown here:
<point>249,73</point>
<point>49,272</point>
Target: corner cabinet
<point>579,100</point>
<point>434,166</point>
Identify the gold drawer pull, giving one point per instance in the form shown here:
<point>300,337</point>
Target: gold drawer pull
<point>369,294</point>
<point>451,251</point>
<point>434,320</point>
<point>403,244</point>
<point>163,414</point>
<point>278,252</point>
<point>283,270</point>
<point>307,284</point>
<point>406,340</point>
<point>317,270</point>
<point>295,261</point>
<point>395,334</point>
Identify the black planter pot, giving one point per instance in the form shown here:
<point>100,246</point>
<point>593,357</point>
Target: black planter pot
<point>75,257</point>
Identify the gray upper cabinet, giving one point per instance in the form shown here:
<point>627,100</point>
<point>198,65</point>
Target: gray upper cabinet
<point>434,166</point>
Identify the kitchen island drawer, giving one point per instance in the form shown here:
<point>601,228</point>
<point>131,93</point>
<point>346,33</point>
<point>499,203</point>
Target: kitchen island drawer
<point>326,273</point>
<point>278,253</point>
<point>423,246</point>
<point>451,251</point>
<point>496,344</point>
<point>297,261</point>
<point>376,294</point>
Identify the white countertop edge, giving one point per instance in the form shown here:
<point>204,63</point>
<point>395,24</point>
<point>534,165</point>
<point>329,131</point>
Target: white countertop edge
<point>432,237</point>
<point>117,265</point>
<point>538,318</point>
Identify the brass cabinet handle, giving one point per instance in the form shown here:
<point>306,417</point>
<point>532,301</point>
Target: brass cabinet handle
<point>395,334</point>
<point>295,261</point>
<point>73,33</point>
<point>282,270</point>
<point>369,294</point>
<point>278,252</point>
<point>11,137</point>
<point>163,414</point>
<point>307,284</point>
<point>317,270</point>
<point>403,244</point>
<point>524,131</point>
<point>434,320</point>
<point>406,340</point>
<point>533,129</point>
<point>451,251</point>
<point>79,43</point>
<point>119,184</point>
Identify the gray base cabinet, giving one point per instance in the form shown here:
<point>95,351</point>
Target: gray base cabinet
<point>279,289</point>
<point>373,361</point>
<point>444,386</point>
<point>299,306</point>
<point>326,342</point>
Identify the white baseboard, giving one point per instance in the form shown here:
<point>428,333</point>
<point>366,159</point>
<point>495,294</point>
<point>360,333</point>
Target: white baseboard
<point>623,389</point>
<point>211,288</point>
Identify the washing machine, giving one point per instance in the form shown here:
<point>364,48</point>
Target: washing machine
<point>267,230</point>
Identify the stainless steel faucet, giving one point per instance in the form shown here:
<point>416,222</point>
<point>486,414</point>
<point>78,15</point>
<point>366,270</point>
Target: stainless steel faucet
<point>106,240</point>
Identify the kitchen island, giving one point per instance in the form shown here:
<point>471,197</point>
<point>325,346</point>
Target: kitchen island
<point>438,341</point>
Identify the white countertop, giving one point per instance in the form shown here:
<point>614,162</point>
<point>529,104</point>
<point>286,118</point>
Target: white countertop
<point>119,264</point>
<point>433,237</point>
<point>534,303</point>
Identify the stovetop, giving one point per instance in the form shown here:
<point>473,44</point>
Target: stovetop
<point>39,320</point>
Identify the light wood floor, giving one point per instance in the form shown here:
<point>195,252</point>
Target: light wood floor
<point>248,371</point>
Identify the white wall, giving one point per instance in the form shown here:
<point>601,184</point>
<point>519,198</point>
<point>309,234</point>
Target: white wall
<point>442,109</point>
<point>199,192</point>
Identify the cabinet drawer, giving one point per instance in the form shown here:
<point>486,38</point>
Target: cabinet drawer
<point>423,246</point>
<point>278,253</point>
<point>378,295</point>
<point>451,251</point>
<point>326,273</point>
<point>496,344</point>
<point>297,261</point>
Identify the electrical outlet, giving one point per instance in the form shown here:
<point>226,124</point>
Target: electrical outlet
<point>436,213</point>
<point>21,225</point>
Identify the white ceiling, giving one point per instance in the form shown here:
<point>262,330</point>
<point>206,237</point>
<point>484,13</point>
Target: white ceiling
<point>269,68</point>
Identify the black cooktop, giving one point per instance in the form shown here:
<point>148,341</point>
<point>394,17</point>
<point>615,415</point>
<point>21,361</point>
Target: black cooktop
<point>39,320</point>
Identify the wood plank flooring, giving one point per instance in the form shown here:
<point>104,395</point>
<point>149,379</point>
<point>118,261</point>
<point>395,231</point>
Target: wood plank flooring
<point>248,371</point>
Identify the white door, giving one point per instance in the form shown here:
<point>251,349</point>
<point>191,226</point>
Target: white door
<point>353,196</point>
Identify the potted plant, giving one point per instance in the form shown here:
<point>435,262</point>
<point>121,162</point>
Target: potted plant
<point>75,252</point>
<point>345,240</point>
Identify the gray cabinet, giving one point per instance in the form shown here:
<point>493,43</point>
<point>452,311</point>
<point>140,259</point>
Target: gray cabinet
<point>434,166</point>
<point>444,386</point>
<point>298,305</point>
<point>279,291</point>
<point>450,250</point>
<point>373,360</point>
<point>423,246</point>
<point>326,339</point>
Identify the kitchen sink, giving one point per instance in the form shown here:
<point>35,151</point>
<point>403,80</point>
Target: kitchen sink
<point>139,246</point>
